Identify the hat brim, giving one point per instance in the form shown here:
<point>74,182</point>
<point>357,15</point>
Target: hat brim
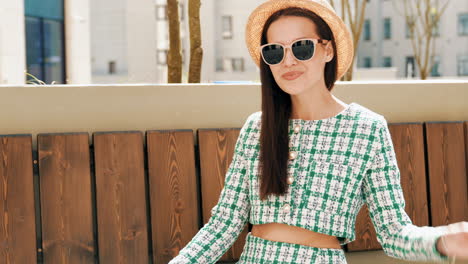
<point>341,33</point>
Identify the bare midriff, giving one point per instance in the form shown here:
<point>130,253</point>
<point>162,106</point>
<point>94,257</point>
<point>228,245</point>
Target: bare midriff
<point>293,234</point>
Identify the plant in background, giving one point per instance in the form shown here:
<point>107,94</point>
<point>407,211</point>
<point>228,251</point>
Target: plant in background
<point>34,80</point>
<point>354,13</point>
<point>174,56</point>
<point>196,50</point>
<point>422,19</point>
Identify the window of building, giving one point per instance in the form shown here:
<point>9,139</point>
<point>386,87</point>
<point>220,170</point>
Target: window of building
<point>408,25</point>
<point>161,12</point>
<point>387,62</point>
<point>227,64</point>
<point>223,65</point>
<point>367,63</point>
<point>462,65</point>
<point>161,56</point>
<point>435,28</point>
<point>219,65</point>
<point>435,70</point>
<point>387,28</point>
<point>181,11</point>
<point>34,50</point>
<point>112,68</point>
<point>230,65</point>
<point>44,26</point>
<point>410,67</point>
<point>227,27</point>
<point>237,64</point>
<point>367,30</point>
<point>463,24</point>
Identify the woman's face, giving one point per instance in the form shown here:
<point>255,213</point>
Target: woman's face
<point>293,76</point>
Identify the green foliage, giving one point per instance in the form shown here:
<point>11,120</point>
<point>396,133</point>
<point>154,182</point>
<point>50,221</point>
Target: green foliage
<point>34,80</point>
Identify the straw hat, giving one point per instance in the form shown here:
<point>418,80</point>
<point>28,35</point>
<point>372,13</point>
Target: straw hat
<point>343,38</point>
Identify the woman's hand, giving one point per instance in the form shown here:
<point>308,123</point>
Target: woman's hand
<point>456,241</point>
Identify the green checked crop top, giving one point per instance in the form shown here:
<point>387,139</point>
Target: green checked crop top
<point>337,164</point>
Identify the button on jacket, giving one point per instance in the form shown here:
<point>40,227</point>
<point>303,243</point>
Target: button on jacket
<point>335,166</point>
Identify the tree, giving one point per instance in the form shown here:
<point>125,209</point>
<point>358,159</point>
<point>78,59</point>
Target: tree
<point>196,51</point>
<point>355,16</point>
<point>422,18</point>
<point>174,56</point>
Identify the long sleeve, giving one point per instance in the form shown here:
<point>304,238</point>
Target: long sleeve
<point>228,217</point>
<point>382,193</point>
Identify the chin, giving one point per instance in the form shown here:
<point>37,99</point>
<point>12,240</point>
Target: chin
<point>292,89</point>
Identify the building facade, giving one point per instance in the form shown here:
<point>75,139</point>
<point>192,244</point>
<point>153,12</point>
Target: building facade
<point>385,40</point>
<point>225,55</point>
<point>123,41</point>
<point>47,40</point>
<point>126,41</point>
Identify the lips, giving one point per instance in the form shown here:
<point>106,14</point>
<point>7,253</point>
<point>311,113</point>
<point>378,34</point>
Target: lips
<point>292,75</point>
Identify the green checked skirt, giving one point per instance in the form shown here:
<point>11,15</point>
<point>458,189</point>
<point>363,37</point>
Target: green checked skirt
<point>261,251</point>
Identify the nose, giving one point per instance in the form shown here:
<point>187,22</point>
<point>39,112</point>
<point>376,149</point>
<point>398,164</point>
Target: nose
<point>289,58</point>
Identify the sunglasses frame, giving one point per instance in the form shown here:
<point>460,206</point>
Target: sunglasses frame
<point>289,46</point>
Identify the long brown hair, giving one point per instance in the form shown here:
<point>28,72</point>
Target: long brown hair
<point>276,110</point>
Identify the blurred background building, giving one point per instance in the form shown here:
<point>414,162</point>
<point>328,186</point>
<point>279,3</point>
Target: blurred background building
<point>225,56</point>
<point>123,41</point>
<point>126,41</point>
<point>385,41</point>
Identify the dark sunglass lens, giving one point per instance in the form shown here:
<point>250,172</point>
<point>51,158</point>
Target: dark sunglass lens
<point>303,49</point>
<point>273,54</point>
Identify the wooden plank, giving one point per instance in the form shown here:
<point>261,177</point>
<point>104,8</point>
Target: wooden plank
<point>173,191</point>
<point>17,220</point>
<point>120,197</point>
<point>408,142</point>
<point>366,238</point>
<point>412,165</point>
<point>216,153</point>
<point>66,205</point>
<point>447,172</point>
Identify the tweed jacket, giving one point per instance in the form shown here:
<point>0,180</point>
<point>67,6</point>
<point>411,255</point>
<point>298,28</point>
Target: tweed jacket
<point>337,165</point>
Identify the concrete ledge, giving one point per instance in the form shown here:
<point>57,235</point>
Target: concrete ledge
<point>78,108</point>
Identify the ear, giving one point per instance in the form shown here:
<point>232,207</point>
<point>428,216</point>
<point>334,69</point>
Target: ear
<point>329,52</point>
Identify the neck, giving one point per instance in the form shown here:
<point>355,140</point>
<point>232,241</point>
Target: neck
<point>317,103</point>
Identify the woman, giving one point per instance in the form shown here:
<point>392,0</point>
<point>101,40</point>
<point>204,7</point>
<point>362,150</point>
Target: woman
<point>304,166</point>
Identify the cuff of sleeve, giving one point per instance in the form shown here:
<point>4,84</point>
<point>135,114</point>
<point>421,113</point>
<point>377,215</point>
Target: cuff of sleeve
<point>436,252</point>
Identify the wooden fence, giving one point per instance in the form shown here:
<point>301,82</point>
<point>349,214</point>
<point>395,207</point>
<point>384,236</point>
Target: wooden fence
<point>126,197</point>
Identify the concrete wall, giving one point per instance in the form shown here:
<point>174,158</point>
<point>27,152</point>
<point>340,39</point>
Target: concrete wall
<point>108,40</point>
<point>124,32</point>
<point>73,108</point>
<point>234,47</point>
<point>77,42</point>
<point>141,41</point>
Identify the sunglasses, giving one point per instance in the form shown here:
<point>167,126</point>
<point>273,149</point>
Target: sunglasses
<point>302,49</point>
